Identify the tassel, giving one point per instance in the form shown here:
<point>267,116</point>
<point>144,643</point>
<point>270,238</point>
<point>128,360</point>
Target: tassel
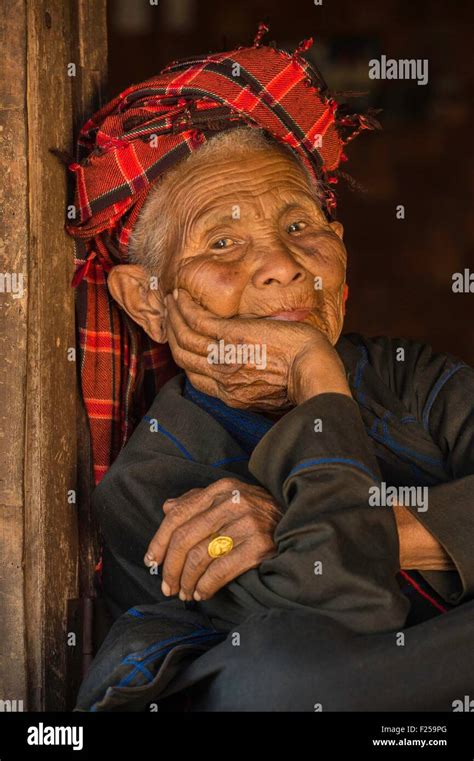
<point>304,46</point>
<point>331,204</point>
<point>64,157</point>
<point>368,120</point>
<point>82,271</point>
<point>196,138</point>
<point>351,93</point>
<point>352,183</point>
<point>261,32</point>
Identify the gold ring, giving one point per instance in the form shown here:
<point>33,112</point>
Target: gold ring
<point>220,546</point>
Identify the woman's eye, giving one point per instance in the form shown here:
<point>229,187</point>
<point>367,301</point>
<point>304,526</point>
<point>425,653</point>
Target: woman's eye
<point>296,227</point>
<point>222,243</point>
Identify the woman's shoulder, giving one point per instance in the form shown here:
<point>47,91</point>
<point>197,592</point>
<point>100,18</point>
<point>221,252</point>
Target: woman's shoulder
<point>408,352</point>
<point>412,369</point>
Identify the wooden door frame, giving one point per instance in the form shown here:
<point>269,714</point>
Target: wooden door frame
<point>55,66</point>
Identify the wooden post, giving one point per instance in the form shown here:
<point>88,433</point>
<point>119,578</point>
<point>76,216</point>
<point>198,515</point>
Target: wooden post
<point>42,98</point>
<point>13,252</point>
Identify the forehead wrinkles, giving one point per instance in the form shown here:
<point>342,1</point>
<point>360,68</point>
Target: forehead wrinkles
<point>241,182</point>
<point>235,180</point>
<point>256,194</point>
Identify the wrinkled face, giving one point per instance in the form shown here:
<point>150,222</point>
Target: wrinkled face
<point>251,241</point>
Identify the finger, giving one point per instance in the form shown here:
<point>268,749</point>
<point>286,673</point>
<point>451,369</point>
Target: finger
<point>204,365</point>
<point>190,361</point>
<point>177,513</point>
<point>186,498</point>
<point>198,558</point>
<point>197,561</point>
<point>181,509</point>
<point>213,387</point>
<point>199,318</point>
<point>202,497</point>
<point>186,537</point>
<point>186,336</point>
<point>225,569</point>
<point>238,330</point>
<point>206,384</point>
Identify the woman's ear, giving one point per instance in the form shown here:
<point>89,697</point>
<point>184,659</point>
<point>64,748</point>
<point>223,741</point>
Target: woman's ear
<point>132,288</point>
<point>337,228</point>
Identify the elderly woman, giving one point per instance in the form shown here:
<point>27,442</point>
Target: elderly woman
<point>257,520</point>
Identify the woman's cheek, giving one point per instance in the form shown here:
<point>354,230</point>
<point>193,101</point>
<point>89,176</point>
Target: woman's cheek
<point>326,258</point>
<point>217,286</point>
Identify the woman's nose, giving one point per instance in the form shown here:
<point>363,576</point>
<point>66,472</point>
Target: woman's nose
<point>277,266</point>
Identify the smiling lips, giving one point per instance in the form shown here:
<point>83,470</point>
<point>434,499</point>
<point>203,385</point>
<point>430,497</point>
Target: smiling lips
<point>293,315</point>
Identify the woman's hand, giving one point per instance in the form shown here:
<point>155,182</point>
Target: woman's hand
<point>300,361</point>
<point>246,513</point>
<point>419,549</point>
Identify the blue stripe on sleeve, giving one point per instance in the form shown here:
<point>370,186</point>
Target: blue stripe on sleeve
<point>435,391</point>
<point>330,460</point>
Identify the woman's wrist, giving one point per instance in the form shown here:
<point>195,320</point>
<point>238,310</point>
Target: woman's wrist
<point>313,374</point>
<point>418,548</point>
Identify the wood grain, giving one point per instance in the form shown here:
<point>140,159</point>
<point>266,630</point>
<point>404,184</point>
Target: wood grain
<point>43,434</point>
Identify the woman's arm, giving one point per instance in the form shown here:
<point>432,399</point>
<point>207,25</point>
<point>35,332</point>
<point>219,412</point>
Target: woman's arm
<point>438,389</point>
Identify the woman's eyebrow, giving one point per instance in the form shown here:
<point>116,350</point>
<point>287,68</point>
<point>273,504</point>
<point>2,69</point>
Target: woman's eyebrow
<point>218,215</point>
<point>303,205</point>
<point>213,216</point>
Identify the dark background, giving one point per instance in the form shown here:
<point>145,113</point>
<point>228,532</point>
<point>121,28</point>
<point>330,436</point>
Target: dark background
<point>400,271</point>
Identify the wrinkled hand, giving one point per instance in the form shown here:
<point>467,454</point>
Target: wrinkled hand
<point>300,360</point>
<point>419,549</point>
<point>246,513</point>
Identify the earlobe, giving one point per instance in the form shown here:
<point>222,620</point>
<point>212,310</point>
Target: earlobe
<point>338,228</point>
<point>130,286</point>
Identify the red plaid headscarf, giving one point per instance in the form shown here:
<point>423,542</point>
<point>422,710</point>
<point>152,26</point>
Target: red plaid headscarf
<point>125,147</point>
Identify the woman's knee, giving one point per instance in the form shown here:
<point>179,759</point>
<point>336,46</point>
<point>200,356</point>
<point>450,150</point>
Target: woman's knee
<point>276,662</point>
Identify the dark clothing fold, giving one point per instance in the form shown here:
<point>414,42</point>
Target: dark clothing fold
<point>329,621</point>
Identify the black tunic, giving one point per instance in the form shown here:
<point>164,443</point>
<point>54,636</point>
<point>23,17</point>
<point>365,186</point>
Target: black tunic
<point>328,639</point>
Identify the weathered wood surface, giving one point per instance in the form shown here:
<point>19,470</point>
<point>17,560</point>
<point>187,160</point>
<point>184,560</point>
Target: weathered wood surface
<point>13,349</point>
<point>43,439</point>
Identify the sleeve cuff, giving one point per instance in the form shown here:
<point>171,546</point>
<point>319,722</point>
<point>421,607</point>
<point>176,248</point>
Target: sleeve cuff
<point>450,518</point>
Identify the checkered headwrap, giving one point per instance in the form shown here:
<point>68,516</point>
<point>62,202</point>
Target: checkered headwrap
<point>125,147</point>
